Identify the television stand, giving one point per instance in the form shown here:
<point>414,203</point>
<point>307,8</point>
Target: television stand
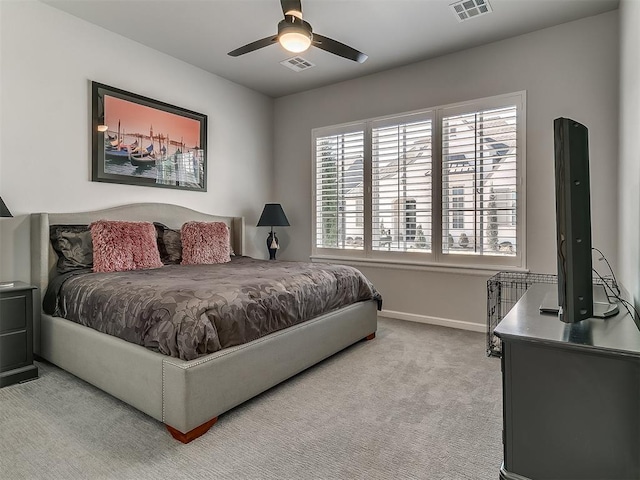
<point>571,395</point>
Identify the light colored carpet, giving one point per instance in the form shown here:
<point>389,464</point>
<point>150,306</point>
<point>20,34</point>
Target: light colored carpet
<point>419,402</point>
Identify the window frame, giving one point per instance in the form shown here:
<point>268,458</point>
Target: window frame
<point>436,257</point>
<point>382,122</point>
<point>342,129</point>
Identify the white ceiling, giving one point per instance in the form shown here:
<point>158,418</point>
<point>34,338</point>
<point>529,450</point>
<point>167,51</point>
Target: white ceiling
<point>391,32</point>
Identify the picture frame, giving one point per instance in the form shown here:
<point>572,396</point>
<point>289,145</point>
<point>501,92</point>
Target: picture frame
<point>137,140</point>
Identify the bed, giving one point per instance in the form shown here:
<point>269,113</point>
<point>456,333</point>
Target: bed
<point>186,395</point>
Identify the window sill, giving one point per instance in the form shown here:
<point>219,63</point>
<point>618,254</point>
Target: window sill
<point>480,270</point>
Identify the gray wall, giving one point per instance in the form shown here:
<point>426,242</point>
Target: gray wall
<point>629,171</point>
<point>569,70</point>
<point>48,59</point>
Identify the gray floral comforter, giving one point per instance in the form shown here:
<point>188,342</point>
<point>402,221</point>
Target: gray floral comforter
<point>190,310</point>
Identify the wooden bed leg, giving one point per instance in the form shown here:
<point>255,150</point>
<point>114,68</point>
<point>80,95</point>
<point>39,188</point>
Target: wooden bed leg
<point>370,336</point>
<point>192,434</point>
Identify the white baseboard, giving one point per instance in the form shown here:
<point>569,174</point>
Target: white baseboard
<point>443,322</point>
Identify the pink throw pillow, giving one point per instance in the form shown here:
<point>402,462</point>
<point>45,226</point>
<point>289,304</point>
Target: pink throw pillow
<point>121,246</point>
<point>205,243</point>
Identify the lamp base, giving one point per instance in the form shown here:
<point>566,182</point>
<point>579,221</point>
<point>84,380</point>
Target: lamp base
<point>272,251</point>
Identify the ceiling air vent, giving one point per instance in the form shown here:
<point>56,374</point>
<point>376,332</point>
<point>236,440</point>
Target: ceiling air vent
<point>297,64</point>
<point>466,9</point>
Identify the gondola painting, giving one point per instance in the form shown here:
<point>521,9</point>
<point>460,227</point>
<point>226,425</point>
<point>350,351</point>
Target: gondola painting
<point>140,141</point>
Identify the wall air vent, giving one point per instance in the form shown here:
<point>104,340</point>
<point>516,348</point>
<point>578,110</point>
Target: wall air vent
<point>297,64</point>
<point>467,9</point>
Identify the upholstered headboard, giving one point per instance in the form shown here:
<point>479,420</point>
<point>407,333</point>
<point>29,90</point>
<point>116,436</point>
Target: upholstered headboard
<point>44,258</point>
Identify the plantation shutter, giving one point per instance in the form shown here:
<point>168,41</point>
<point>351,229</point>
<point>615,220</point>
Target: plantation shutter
<point>479,182</point>
<point>401,184</point>
<point>339,207</point>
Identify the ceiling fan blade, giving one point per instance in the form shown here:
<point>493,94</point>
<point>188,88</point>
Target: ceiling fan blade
<point>288,5</point>
<point>250,47</point>
<point>337,48</point>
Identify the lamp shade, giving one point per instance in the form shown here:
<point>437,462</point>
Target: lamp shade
<point>273,216</point>
<point>4,211</point>
<point>295,41</point>
<point>294,34</point>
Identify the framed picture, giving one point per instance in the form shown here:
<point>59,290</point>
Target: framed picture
<point>140,141</point>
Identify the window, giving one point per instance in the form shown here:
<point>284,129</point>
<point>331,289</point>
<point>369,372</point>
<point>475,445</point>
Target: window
<point>481,156</point>
<point>339,190</point>
<point>401,181</point>
<point>440,186</point>
<point>410,219</point>
<point>457,207</point>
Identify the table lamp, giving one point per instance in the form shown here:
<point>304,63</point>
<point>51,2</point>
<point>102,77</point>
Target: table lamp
<point>273,216</point>
<point>4,211</point>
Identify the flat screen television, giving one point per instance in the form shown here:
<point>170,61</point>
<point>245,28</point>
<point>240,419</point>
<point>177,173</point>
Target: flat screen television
<point>573,220</point>
<point>573,226</point>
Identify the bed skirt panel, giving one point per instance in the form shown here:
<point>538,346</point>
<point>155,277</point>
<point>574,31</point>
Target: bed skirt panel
<point>198,390</point>
<point>127,371</point>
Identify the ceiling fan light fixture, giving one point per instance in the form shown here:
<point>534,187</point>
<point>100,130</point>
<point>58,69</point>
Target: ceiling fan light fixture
<point>295,41</point>
<point>294,34</point>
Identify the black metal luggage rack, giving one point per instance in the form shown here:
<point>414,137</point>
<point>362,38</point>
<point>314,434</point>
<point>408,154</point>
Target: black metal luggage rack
<point>504,289</point>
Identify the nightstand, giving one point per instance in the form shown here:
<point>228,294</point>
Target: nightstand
<point>16,334</point>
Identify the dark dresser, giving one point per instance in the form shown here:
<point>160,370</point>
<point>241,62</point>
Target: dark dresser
<point>16,334</point>
<point>571,394</point>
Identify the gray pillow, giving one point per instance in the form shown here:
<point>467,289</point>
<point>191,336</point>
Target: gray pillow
<point>73,245</point>
<point>169,244</point>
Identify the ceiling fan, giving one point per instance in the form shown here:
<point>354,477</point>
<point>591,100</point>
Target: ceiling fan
<point>296,36</point>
